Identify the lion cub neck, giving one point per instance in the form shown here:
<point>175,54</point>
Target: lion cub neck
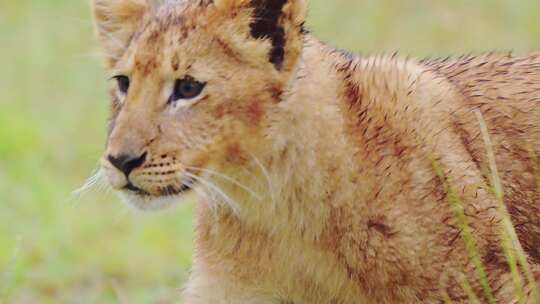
<point>288,182</point>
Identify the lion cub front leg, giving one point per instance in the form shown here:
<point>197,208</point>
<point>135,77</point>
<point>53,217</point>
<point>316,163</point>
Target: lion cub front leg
<point>208,288</point>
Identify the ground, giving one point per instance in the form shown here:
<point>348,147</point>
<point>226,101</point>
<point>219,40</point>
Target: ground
<point>58,248</point>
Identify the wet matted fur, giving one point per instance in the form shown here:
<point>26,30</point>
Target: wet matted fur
<point>315,167</point>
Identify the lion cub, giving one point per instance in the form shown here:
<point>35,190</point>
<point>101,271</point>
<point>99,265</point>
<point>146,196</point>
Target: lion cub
<point>314,167</point>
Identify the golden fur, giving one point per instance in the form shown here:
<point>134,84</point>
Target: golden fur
<point>314,167</point>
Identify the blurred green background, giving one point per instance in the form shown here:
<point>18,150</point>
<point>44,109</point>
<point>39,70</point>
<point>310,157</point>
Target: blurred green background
<point>57,248</point>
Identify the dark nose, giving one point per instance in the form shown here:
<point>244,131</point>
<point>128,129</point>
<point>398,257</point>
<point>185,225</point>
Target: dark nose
<point>127,163</point>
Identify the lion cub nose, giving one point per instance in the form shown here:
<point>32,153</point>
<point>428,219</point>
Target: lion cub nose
<point>126,162</point>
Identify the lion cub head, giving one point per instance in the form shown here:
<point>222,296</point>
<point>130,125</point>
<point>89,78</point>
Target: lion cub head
<point>193,83</point>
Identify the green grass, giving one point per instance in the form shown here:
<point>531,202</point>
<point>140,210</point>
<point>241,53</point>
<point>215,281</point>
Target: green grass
<point>53,107</point>
<point>468,237</point>
<point>509,242</point>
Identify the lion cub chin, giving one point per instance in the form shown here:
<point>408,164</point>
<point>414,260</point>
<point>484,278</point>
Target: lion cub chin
<point>322,177</point>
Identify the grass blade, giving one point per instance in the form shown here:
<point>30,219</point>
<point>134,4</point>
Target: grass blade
<point>468,289</point>
<point>509,236</point>
<point>466,234</point>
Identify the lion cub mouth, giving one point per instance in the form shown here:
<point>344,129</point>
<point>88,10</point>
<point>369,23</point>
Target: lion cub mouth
<point>163,192</point>
<point>166,197</point>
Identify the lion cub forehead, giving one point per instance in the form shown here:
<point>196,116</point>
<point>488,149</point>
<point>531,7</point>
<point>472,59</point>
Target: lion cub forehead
<point>171,38</point>
<point>180,16</point>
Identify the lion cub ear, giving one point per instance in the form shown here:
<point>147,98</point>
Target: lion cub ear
<point>116,21</point>
<point>278,21</point>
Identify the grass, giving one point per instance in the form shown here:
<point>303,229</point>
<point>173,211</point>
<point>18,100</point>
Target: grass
<point>57,249</point>
<point>510,244</point>
<point>467,236</point>
<point>509,239</point>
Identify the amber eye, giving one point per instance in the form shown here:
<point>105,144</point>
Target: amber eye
<point>187,88</point>
<point>123,83</point>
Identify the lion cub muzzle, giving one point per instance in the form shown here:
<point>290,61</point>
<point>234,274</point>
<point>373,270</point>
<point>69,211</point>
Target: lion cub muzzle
<point>126,163</point>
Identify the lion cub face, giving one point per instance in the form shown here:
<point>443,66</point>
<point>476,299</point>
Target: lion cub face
<point>193,83</point>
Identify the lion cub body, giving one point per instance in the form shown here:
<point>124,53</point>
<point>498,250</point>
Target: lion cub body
<point>359,213</point>
<point>318,169</point>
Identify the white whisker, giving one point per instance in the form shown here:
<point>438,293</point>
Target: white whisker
<point>92,181</point>
<point>211,186</point>
<point>203,194</point>
<point>229,179</point>
<point>103,187</point>
<point>271,190</point>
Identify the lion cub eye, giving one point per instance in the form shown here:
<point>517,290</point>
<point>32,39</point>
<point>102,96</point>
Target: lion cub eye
<point>187,88</point>
<point>123,83</point>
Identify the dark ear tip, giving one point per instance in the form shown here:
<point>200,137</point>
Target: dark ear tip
<point>266,25</point>
<point>277,57</point>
